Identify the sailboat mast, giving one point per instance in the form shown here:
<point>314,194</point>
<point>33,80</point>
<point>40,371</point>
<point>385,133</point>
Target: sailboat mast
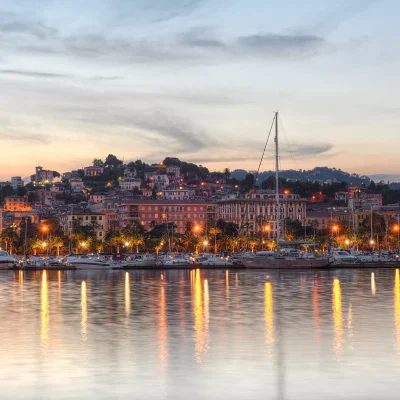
<point>278,211</point>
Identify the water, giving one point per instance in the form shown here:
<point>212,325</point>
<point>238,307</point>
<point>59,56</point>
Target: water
<point>200,335</point>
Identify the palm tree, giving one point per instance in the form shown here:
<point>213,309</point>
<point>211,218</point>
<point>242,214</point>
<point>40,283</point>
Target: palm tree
<point>188,240</point>
<point>10,237</point>
<point>136,240</point>
<point>227,173</point>
<point>34,244</point>
<point>57,242</point>
<point>97,245</point>
<point>252,242</point>
<point>232,243</point>
<point>214,232</point>
<point>314,224</point>
<point>114,239</point>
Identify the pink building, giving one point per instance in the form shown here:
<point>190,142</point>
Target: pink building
<point>93,171</point>
<point>176,211</point>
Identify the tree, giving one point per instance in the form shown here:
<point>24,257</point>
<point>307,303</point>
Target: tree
<point>233,243</point>
<point>57,242</point>
<point>112,161</point>
<point>227,173</point>
<point>34,243</point>
<point>10,237</point>
<point>248,182</point>
<point>215,232</point>
<point>98,163</point>
<point>114,239</point>
<point>253,242</point>
<point>135,239</point>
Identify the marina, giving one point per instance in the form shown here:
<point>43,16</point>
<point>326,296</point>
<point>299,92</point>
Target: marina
<point>86,330</point>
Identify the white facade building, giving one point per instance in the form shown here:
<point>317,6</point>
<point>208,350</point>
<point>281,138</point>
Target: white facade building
<point>247,210</point>
<point>127,184</point>
<point>17,182</point>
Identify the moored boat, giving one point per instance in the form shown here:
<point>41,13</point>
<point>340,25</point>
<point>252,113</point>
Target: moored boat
<point>6,261</point>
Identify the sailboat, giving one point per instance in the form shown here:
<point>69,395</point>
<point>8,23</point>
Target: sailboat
<point>289,258</point>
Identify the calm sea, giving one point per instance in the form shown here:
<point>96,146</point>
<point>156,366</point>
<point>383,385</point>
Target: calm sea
<point>200,335</point>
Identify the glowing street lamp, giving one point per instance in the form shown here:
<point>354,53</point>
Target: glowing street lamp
<point>397,229</point>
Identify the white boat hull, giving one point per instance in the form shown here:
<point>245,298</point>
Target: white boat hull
<point>6,264</point>
<point>91,266</point>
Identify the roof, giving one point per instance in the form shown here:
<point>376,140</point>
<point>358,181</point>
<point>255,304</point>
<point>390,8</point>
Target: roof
<point>165,202</point>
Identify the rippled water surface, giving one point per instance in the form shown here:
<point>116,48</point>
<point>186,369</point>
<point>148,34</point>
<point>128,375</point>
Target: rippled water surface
<point>200,335</point>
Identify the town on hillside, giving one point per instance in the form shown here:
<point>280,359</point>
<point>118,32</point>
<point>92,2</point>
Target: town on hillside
<point>118,207</point>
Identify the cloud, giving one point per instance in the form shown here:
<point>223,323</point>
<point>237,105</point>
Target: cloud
<point>279,44</point>
<point>26,138</point>
<point>33,74</point>
<point>301,150</point>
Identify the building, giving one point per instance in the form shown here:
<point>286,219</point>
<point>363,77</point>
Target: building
<point>93,171</point>
<point>16,203</point>
<point>159,180</point>
<point>43,176</point>
<point>98,197</point>
<point>361,200</point>
<point>248,210</point>
<point>99,222</point>
<point>342,196</point>
<point>128,184</point>
<point>173,171</point>
<point>175,194</point>
<point>76,184</point>
<point>179,212</point>
<point>320,219</point>
<point>130,172</point>
<point>17,182</point>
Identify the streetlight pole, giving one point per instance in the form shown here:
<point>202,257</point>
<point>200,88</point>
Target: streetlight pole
<point>397,229</point>
<point>372,229</point>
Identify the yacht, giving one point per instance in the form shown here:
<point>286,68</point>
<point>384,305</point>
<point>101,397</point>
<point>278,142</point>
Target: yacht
<point>343,257</point>
<point>286,260</point>
<point>86,262</point>
<point>7,261</point>
<point>177,261</point>
<point>142,260</point>
<point>271,259</point>
<point>213,260</point>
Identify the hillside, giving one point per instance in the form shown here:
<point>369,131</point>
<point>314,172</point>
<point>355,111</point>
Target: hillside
<point>322,174</point>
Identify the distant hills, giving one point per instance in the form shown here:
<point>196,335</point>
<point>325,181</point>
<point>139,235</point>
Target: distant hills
<point>321,174</point>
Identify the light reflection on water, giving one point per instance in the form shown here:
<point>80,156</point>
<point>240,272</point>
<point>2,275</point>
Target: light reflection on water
<point>200,334</point>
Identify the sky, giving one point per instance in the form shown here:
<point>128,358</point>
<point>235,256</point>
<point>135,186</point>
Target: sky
<point>199,80</point>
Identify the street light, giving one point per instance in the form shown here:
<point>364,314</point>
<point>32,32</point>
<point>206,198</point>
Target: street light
<point>397,229</point>
<point>347,242</point>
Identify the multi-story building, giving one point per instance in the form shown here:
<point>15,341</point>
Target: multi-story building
<point>176,194</point>
<point>93,171</point>
<point>76,184</point>
<point>249,209</point>
<point>99,222</point>
<point>98,197</point>
<point>179,212</point>
<point>159,180</point>
<point>16,203</point>
<point>17,182</point>
<point>173,171</point>
<point>127,184</point>
<point>43,176</point>
<point>361,200</point>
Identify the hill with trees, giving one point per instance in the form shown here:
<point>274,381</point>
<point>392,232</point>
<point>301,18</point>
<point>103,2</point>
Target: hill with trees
<point>319,174</point>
